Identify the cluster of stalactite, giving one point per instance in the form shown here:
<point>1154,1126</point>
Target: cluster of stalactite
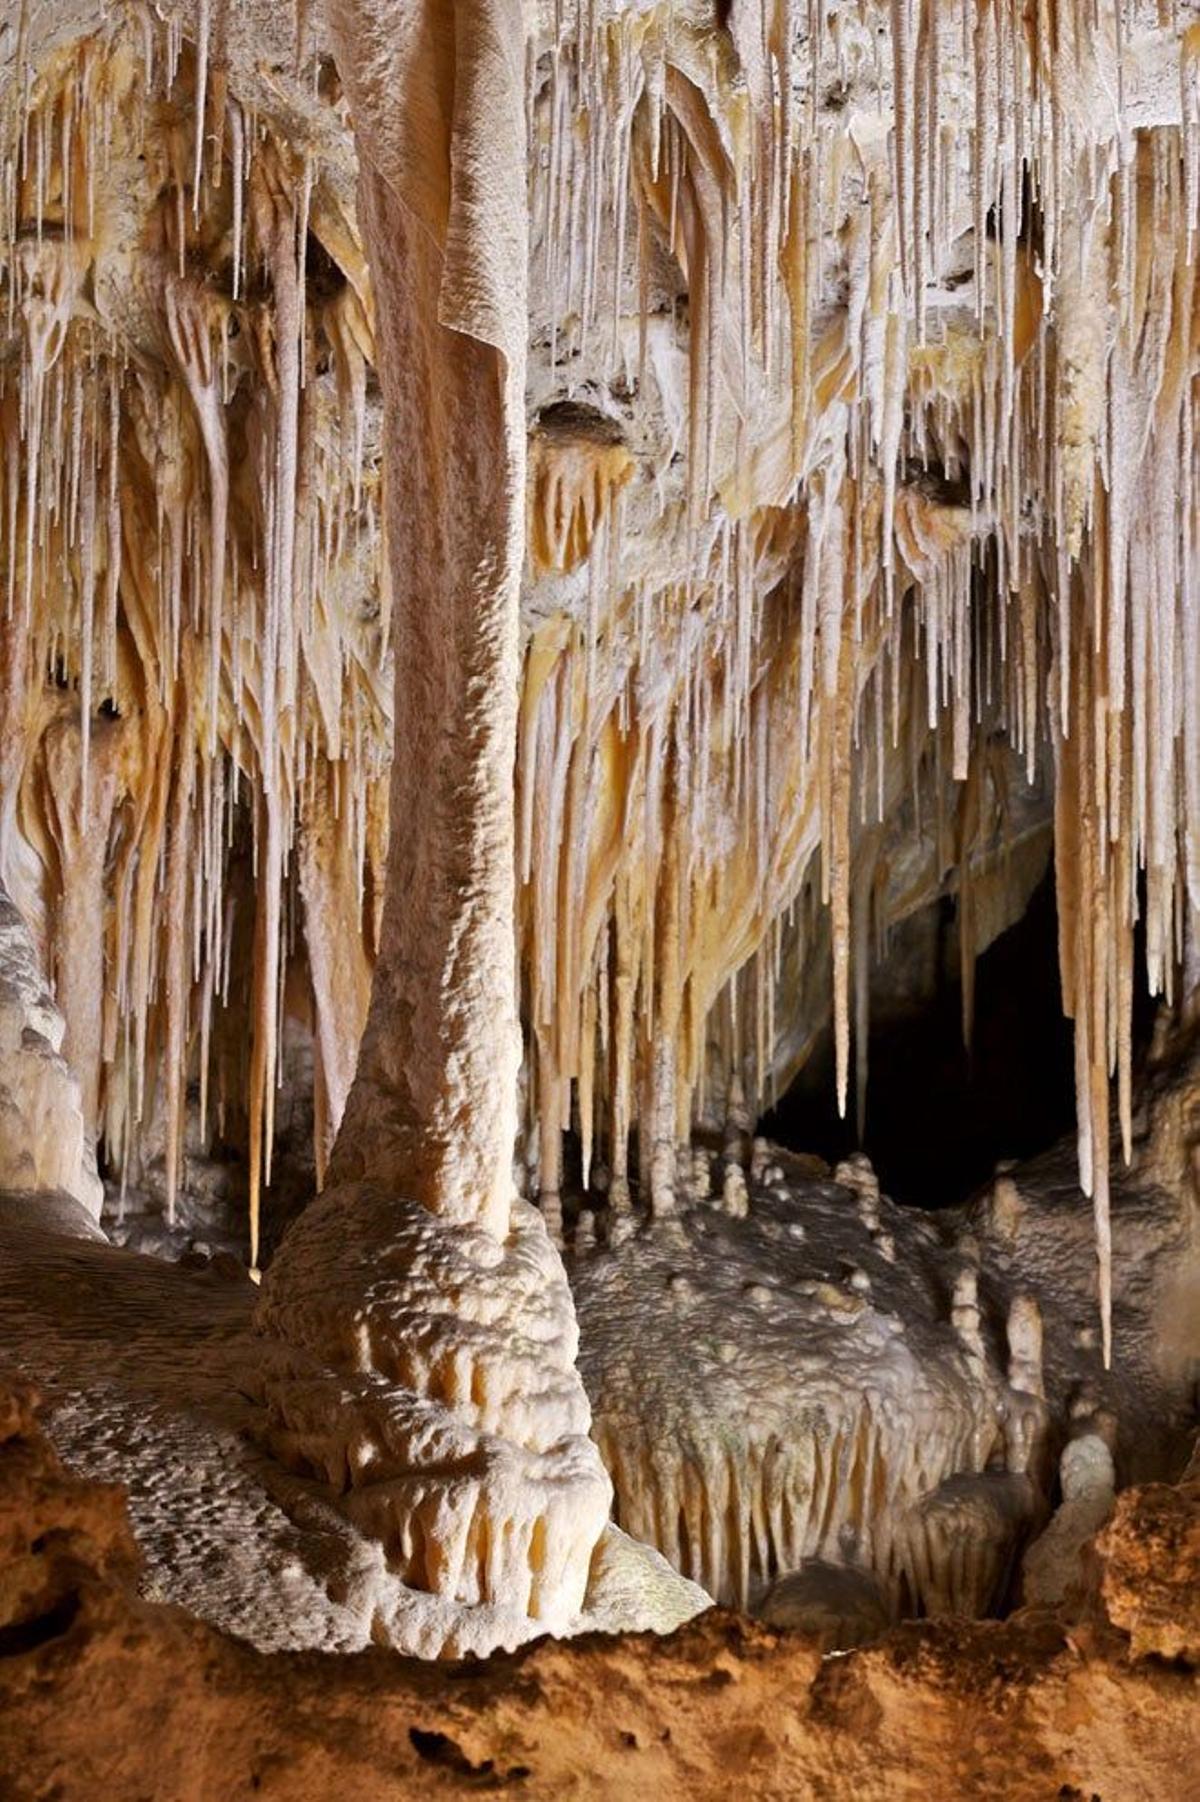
<point>941,345</point>
<point>193,619</point>
<point>870,340</point>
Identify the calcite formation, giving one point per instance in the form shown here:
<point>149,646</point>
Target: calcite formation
<point>456,1427</point>
<point>759,1411</point>
<point>853,343</point>
<point>152,1376</point>
<point>532,540</point>
<point>440,1387</point>
<point>1020,1708</point>
<point>793,1372</point>
<point>490,1506</point>
<point>44,1144</point>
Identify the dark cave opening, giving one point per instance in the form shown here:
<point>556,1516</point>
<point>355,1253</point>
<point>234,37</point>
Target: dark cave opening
<point>939,1118</point>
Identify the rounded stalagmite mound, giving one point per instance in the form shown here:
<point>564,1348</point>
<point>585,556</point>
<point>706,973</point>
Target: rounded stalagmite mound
<point>427,1378</point>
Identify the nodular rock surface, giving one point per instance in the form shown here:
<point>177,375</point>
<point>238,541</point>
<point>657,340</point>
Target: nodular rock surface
<point>104,1692</point>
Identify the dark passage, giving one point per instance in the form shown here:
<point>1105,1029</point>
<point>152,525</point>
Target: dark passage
<point>938,1120</point>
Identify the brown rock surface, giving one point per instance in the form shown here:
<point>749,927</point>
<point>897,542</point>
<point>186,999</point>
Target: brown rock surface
<point>104,1694</point>
<point>56,1532</point>
<point>1150,1551</point>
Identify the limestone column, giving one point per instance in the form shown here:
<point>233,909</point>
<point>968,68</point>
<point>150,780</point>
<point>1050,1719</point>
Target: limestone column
<point>427,1316</point>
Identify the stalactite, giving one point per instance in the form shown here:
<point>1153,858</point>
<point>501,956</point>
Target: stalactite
<point>863,435</point>
<point>171,617</point>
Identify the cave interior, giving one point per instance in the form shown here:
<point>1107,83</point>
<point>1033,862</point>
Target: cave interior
<point>599,897</point>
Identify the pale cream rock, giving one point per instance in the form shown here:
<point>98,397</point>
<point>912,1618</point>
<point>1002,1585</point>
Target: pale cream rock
<point>785,388</point>
<point>1025,1346</point>
<point>1054,1570</point>
<point>735,1197</point>
<point>429,1384</point>
<point>754,1416</point>
<point>44,1145</point>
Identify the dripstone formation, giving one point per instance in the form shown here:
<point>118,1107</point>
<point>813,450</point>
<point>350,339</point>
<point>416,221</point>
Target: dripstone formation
<point>559,568</point>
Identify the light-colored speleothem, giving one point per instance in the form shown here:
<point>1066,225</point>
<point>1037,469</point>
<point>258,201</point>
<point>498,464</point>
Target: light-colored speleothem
<point>875,334</point>
<point>881,342</point>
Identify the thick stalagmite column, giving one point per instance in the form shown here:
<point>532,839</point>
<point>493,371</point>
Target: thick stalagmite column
<point>428,1331</point>
<point>438,110</point>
